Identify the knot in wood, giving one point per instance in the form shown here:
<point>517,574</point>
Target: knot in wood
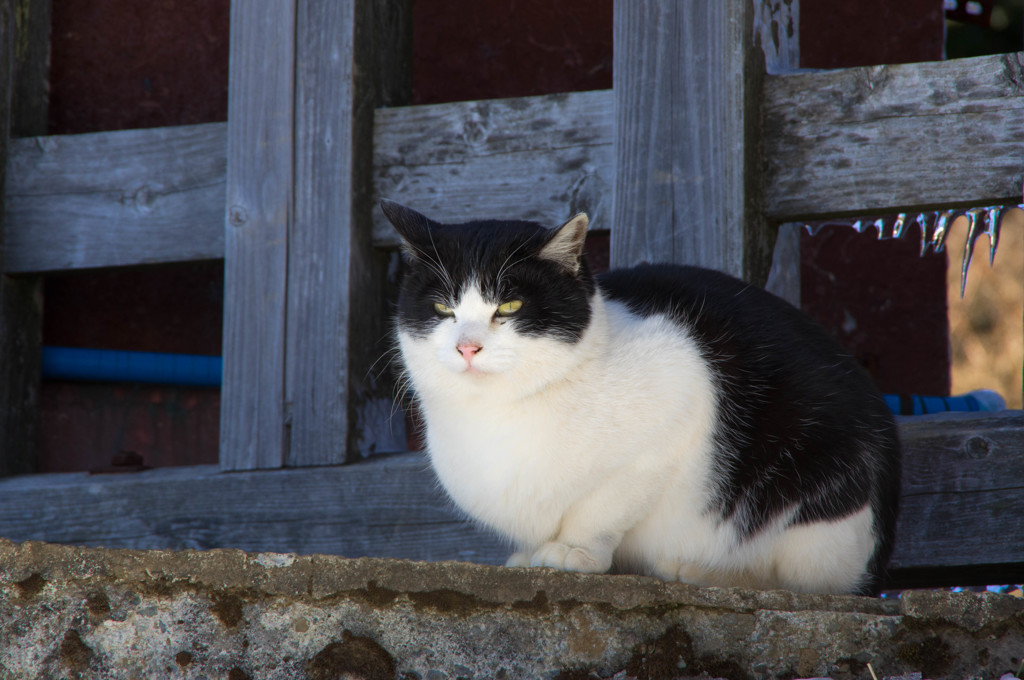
<point>140,199</point>
<point>977,447</point>
<point>237,216</point>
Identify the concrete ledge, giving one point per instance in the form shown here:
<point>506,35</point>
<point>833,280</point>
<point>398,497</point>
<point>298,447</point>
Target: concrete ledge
<point>90,612</point>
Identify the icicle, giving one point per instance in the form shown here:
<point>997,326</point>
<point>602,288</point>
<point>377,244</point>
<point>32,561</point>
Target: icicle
<point>926,222</point>
<point>973,232</point>
<point>935,228</point>
<point>993,220</point>
<point>899,225</point>
<point>942,224</point>
<point>879,225</point>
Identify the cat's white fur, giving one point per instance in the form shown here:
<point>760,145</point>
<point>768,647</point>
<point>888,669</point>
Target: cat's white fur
<point>578,451</point>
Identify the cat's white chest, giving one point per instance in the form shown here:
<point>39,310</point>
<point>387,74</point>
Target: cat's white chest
<point>505,467</point>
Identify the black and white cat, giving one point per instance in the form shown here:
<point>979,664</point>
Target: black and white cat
<point>665,420</point>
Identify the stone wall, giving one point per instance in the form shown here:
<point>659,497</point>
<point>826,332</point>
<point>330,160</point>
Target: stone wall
<point>95,613</point>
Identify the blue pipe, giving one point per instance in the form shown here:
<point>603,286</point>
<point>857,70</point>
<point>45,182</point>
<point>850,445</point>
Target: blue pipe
<point>101,365</point>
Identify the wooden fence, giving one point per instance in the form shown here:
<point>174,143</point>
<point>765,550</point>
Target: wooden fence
<point>697,155</point>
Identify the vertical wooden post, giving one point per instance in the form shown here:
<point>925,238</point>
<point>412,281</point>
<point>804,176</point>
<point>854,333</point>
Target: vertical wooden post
<point>20,340</point>
<point>688,80</point>
<point>24,74</point>
<point>259,214</point>
<point>777,31</point>
<point>304,289</point>
<point>30,107</point>
<point>352,57</point>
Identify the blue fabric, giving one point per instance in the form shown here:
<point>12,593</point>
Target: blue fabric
<point>916,404</point>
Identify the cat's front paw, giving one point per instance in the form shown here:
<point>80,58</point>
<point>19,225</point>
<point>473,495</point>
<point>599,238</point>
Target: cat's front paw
<point>518,559</point>
<point>570,558</point>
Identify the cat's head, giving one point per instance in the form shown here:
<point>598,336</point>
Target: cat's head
<point>491,304</point>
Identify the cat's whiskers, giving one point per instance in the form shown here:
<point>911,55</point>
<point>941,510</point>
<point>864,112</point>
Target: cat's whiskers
<point>404,393</point>
<point>434,264</point>
<point>506,266</point>
<point>437,268</point>
<point>392,353</point>
<point>440,268</point>
<point>403,388</point>
<point>403,381</point>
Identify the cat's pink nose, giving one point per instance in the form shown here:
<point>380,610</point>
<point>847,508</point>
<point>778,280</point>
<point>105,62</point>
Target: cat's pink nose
<point>468,351</point>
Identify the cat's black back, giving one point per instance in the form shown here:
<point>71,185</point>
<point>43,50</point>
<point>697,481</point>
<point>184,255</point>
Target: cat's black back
<point>799,422</point>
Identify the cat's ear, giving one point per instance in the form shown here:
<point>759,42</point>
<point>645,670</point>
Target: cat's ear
<point>565,247</point>
<point>413,227</point>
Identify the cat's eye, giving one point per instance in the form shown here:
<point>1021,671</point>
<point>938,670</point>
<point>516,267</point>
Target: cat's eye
<point>510,307</point>
<point>443,310</point>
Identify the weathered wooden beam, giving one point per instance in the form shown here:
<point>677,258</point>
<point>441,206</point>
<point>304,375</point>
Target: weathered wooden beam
<point>963,496</point>
<point>465,160</point>
<point>777,29</point>
<point>30,105</point>
<point>24,95</point>
<point>319,250</point>
<point>442,158</point>
<point>305,311</point>
<point>259,209</point>
<point>687,139</point>
<point>895,138</point>
<point>538,158</point>
<point>390,507</point>
<point>109,199</point>
<point>21,311</point>
<point>337,316</point>
<point>961,508</point>
<point>383,77</point>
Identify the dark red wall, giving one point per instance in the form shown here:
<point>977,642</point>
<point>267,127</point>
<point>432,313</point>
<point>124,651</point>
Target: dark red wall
<point>121,64</point>
<point>467,49</point>
<point>840,34</point>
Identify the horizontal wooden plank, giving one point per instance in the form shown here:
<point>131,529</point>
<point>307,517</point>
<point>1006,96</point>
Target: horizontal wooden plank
<point>884,139</point>
<point>838,143</point>
<point>538,158</point>
<point>389,507</point>
<point>115,198</point>
<point>870,140</point>
<point>962,502</point>
<point>963,492</point>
